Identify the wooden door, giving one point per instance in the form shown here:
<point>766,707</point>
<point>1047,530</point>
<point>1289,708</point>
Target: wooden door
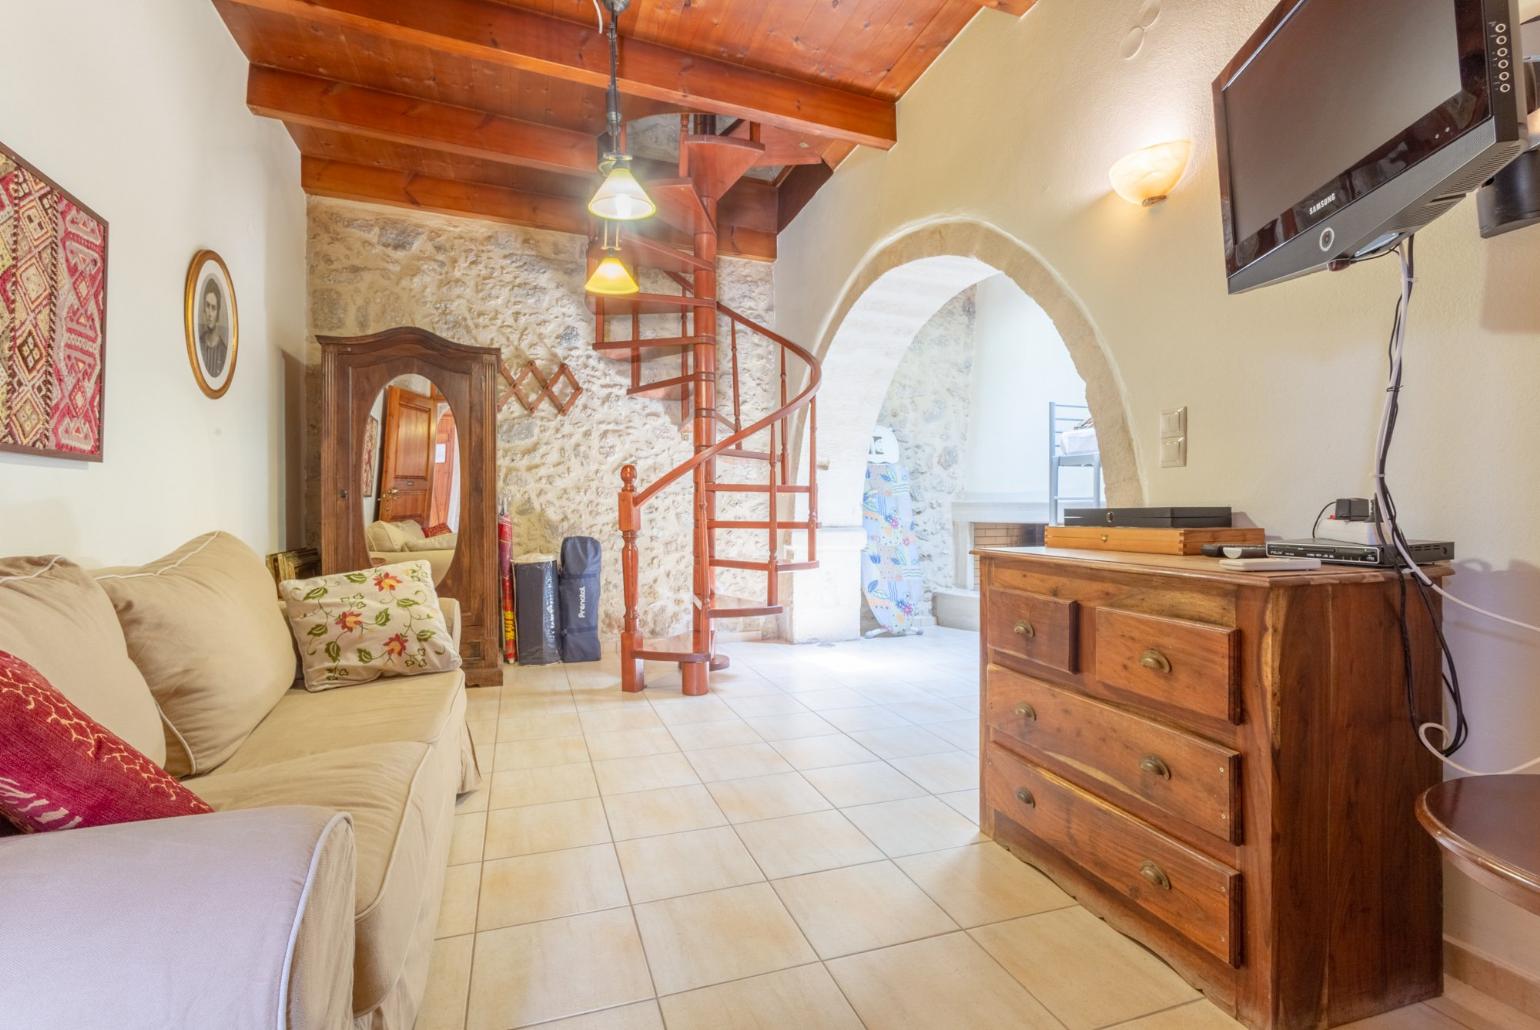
<point>406,477</point>
<point>444,443</point>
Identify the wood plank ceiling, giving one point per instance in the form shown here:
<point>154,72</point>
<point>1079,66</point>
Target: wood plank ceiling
<point>492,108</point>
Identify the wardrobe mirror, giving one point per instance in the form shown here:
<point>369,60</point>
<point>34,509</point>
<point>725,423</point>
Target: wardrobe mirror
<point>410,467</point>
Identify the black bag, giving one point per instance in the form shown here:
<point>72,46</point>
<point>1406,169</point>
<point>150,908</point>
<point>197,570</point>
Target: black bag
<point>534,589</point>
<point>580,556</point>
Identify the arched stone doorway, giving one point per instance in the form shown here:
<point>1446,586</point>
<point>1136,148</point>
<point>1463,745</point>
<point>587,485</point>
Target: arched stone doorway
<point>897,289</point>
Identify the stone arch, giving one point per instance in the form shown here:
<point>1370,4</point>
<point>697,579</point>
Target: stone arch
<point>898,287</point>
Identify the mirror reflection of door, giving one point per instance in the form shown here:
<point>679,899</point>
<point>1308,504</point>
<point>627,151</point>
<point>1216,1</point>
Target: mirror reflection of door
<point>412,471</point>
<point>406,473</point>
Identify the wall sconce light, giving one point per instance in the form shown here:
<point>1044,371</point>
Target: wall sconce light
<point>1146,176</point>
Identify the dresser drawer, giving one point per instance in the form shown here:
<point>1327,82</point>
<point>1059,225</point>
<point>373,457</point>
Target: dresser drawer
<point>1034,627</point>
<point>1176,663</point>
<point>1190,892</point>
<point>1120,754</point>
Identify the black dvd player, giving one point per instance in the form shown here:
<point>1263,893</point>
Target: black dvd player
<point>1424,552</point>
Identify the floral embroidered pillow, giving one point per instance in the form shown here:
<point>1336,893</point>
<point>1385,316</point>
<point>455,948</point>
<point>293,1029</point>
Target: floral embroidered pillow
<point>354,627</point>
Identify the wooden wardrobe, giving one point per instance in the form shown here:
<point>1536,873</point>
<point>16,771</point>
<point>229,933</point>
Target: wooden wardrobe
<point>354,371</point>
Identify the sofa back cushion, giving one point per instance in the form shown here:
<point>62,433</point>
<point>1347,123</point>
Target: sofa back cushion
<point>392,536</point>
<point>54,618</point>
<point>60,769</point>
<point>202,627</point>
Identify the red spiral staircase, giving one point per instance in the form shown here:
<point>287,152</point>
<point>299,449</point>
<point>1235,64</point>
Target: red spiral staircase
<point>710,162</point>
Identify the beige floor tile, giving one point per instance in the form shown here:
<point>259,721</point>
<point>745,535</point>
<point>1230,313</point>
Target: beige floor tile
<point>698,736</point>
<point>790,727</point>
<point>722,935</point>
<point>738,762</point>
<point>768,704</point>
<point>655,740</point>
<point>562,967</point>
<point>797,844</point>
<point>1085,972</point>
<point>530,725</point>
<point>539,786</point>
<point>833,697</point>
<point>669,810</point>
<point>457,910</point>
<point>964,733</point>
<point>860,907</point>
<point>1413,1017</point>
<point>685,711</point>
<point>685,863</point>
<point>1196,1015</point>
<point>644,772</point>
<point>913,826</point>
<point>449,980</point>
<point>964,802</point>
<point>864,784</point>
<point>644,1015</point>
<point>519,702</point>
<point>823,752</point>
<point>549,885</point>
<point>939,982</point>
<point>942,773</point>
<point>983,883</point>
<point>806,998</point>
<point>901,742</point>
<point>551,827</point>
<point>1479,1011</point>
<point>620,718</point>
<point>766,797</point>
<point>872,717</point>
<point>539,753</point>
<point>928,711</point>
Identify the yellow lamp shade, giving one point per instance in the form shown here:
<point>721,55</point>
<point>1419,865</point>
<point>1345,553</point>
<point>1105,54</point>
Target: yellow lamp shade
<point>612,278</point>
<point>621,198</point>
<point>1147,176</point>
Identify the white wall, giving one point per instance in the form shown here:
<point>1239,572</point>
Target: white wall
<point>137,107</point>
<point>1016,125</point>
<point>1020,365</point>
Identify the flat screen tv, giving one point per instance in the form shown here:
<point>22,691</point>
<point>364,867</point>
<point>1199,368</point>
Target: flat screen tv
<point>1345,125</point>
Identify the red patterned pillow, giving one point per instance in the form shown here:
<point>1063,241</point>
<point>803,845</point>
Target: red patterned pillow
<point>60,769</point>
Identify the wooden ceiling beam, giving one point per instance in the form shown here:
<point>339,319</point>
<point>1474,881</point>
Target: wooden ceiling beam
<point>340,107</point>
<point>519,39</point>
<point>342,181</point>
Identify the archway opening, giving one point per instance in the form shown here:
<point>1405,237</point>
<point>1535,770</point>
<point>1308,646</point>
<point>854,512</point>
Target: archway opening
<point>888,301</point>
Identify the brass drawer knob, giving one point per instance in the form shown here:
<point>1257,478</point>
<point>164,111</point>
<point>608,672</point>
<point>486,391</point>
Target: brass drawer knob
<point>1025,797</point>
<point>1024,628</point>
<point>1153,659</point>
<point>1156,875</point>
<point>1026,711</point>
<point>1154,765</point>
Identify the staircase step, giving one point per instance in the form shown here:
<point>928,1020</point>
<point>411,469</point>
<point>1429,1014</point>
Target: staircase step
<point>647,654</point>
<point>716,163</point>
<point>762,566</point>
<point>667,389</point>
<point>745,455</point>
<point>621,349</point>
<point>740,524</point>
<point>646,304</point>
<point>756,488</point>
<point>746,613</point>
<point>679,204</point>
<point>648,251</point>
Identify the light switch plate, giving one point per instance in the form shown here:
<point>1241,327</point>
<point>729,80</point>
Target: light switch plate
<point>1173,422</point>
<point>1173,452</point>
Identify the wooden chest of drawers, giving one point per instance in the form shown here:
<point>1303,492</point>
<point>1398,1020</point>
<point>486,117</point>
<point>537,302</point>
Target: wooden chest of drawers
<point>1220,765</point>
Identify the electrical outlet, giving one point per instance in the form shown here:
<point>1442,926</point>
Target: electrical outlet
<point>1173,452</point>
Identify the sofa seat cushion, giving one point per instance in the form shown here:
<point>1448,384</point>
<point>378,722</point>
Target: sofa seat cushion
<point>417,709</point>
<point>57,620</point>
<point>202,627</point>
<point>401,801</point>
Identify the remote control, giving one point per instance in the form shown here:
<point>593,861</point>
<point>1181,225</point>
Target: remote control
<point>1269,564</point>
<point>1235,550</point>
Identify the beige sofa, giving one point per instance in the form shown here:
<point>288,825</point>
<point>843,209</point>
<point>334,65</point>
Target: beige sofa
<point>308,899</point>
<point>391,542</point>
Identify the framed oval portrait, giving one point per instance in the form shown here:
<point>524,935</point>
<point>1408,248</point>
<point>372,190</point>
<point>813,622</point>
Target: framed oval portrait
<point>212,321</point>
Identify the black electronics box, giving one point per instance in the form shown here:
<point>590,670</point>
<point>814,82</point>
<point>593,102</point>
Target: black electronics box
<point>1424,552</point>
<point>1149,518</point>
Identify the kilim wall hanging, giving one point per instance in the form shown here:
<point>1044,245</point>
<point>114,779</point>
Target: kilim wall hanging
<point>53,316</point>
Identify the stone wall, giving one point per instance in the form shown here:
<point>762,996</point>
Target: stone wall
<point>927,408</point>
<point>521,291</point>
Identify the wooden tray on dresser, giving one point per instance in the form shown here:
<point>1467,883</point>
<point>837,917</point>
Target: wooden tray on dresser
<point>1218,764</point>
<point>1149,540</point>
